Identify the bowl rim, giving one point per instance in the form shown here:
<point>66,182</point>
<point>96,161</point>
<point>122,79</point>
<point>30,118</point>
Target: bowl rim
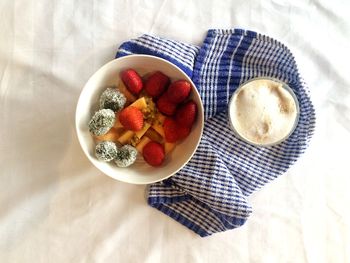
<point>287,88</point>
<point>201,116</point>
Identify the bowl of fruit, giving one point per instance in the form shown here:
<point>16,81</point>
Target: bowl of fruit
<point>139,119</point>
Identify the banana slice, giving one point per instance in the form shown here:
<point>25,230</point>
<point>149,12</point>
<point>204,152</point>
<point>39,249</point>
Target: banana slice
<point>140,103</point>
<point>142,143</point>
<point>141,132</point>
<point>168,147</point>
<point>112,135</point>
<point>159,128</point>
<point>126,137</point>
<point>158,124</point>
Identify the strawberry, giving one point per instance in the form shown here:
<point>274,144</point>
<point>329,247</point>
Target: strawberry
<point>178,91</point>
<point>153,153</point>
<point>183,132</point>
<point>165,106</point>
<point>131,118</point>
<point>156,83</point>
<point>170,130</point>
<point>186,114</point>
<point>132,81</point>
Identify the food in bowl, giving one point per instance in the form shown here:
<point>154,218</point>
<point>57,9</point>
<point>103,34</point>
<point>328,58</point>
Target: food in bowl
<point>126,156</point>
<point>106,151</point>
<point>101,122</point>
<point>146,116</point>
<point>108,75</point>
<point>263,111</point>
<point>112,99</point>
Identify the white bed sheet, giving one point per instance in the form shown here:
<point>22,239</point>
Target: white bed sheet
<point>56,207</point>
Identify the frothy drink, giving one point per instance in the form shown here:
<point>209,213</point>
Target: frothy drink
<point>263,111</point>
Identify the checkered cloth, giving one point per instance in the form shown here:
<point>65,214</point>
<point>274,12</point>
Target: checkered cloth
<point>209,194</point>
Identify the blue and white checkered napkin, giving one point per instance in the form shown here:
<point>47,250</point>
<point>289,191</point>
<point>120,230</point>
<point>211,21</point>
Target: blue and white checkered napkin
<point>209,194</point>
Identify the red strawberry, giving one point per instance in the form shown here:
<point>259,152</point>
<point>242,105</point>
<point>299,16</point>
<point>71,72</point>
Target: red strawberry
<point>131,118</point>
<point>132,81</point>
<point>170,130</point>
<point>153,153</point>
<point>165,106</point>
<point>156,84</point>
<point>186,114</point>
<point>178,91</point>
<point>183,132</point>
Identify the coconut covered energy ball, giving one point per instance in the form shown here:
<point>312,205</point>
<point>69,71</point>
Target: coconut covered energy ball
<point>106,151</point>
<point>126,156</point>
<point>112,99</point>
<point>102,121</point>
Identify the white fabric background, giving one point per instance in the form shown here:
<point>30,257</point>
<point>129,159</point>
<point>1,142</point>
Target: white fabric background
<point>56,207</point>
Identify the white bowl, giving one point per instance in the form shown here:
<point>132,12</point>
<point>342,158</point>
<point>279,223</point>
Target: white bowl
<point>140,172</point>
<point>285,87</point>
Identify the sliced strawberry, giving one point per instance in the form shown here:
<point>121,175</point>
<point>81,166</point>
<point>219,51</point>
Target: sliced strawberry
<point>156,84</point>
<point>132,81</point>
<point>186,114</point>
<point>131,118</point>
<point>178,91</point>
<point>165,106</point>
<point>170,130</point>
<point>153,153</point>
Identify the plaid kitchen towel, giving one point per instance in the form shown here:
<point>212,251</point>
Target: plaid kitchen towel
<point>209,194</point>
